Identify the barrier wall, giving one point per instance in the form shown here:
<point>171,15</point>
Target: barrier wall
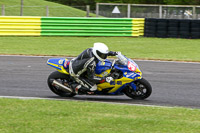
<point>173,28</point>
<point>20,26</point>
<point>65,26</point>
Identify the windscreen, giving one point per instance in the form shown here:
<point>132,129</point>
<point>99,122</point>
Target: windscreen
<point>122,59</point>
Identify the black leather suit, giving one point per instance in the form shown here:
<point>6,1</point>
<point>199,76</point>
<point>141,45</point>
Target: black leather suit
<point>83,67</point>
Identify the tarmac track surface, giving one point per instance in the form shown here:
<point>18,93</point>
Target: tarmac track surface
<point>173,83</point>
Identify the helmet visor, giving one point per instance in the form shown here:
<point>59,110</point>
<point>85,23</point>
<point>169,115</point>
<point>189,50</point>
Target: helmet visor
<point>102,55</point>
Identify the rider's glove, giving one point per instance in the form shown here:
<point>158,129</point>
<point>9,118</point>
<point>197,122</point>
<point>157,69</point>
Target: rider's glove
<point>111,53</point>
<point>109,79</point>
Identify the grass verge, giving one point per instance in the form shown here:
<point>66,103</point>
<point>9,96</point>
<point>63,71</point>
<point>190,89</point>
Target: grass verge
<point>38,8</point>
<point>80,117</point>
<point>139,48</point>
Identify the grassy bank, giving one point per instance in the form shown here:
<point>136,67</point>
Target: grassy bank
<point>140,48</point>
<point>80,117</point>
<point>38,8</point>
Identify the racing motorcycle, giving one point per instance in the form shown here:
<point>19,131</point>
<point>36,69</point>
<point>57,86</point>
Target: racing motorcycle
<point>127,78</point>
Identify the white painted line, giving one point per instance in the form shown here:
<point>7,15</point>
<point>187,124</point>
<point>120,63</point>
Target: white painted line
<point>57,99</point>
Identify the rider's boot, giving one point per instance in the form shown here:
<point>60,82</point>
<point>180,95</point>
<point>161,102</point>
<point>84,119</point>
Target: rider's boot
<point>76,88</point>
<point>93,88</point>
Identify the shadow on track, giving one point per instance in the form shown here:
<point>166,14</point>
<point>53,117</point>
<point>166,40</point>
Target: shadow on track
<point>109,99</point>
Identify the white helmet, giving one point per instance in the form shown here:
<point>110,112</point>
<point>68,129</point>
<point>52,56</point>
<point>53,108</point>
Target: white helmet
<point>100,50</point>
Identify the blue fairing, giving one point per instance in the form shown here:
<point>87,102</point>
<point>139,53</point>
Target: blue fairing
<point>103,66</point>
<point>126,72</point>
<point>121,67</point>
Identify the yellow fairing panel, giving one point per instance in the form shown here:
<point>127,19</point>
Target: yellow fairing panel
<point>63,70</point>
<point>116,84</point>
<point>103,74</point>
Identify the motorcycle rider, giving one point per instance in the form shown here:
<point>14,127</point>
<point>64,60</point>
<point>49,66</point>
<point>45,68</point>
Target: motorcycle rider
<point>82,68</point>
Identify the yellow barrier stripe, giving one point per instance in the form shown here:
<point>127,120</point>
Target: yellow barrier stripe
<point>138,26</point>
<point>20,20</point>
<point>20,26</point>
<point>20,32</point>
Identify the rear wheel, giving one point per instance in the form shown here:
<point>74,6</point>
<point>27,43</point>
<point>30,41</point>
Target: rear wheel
<point>61,78</point>
<point>143,90</point>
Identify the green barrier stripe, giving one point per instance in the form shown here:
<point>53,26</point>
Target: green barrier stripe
<point>84,28</point>
<point>85,31</point>
<point>88,22</point>
<point>113,25</point>
<point>64,26</point>
<point>83,18</point>
<point>84,34</point>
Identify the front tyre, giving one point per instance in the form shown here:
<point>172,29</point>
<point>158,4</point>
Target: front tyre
<point>143,90</point>
<point>62,78</point>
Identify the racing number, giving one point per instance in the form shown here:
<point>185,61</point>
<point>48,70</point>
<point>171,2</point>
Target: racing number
<point>118,83</point>
<point>131,66</point>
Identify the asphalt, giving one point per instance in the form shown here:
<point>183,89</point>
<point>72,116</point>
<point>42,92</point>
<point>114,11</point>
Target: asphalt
<point>173,83</point>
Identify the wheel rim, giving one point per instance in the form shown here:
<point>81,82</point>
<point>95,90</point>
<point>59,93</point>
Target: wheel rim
<point>140,91</point>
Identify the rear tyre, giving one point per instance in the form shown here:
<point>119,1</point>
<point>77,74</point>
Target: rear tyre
<point>142,92</point>
<point>62,78</point>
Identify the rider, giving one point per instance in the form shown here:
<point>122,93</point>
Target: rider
<point>82,68</point>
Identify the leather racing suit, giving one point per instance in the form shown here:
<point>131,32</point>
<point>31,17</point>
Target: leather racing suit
<point>82,68</point>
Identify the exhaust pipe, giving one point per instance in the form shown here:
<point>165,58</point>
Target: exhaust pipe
<point>64,88</point>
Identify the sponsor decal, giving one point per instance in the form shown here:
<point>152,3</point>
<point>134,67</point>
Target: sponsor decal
<point>131,66</point>
<point>66,64</point>
<point>131,75</point>
<point>118,83</point>
<point>60,62</point>
<point>104,74</point>
<point>103,63</point>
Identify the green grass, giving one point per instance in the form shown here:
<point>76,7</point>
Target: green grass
<point>48,116</point>
<point>139,48</point>
<point>38,8</point>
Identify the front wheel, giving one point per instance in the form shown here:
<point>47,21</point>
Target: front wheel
<point>143,90</point>
<point>61,78</point>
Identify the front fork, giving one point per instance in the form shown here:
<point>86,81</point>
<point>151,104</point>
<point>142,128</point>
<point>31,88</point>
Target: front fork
<point>132,84</point>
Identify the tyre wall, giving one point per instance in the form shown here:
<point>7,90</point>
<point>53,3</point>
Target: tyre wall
<point>172,28</point>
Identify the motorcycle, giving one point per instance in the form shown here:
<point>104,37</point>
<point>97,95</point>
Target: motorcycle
<point>127,78</point>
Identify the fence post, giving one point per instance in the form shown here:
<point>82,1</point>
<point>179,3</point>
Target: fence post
<point>47,11</point>
<point>21,11</point>
<point>129,11</point>
<point>194,15</point>
<point>160,11</point>
<point>3,10</point>
<point>87,10</point>
<point>97,9</point>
